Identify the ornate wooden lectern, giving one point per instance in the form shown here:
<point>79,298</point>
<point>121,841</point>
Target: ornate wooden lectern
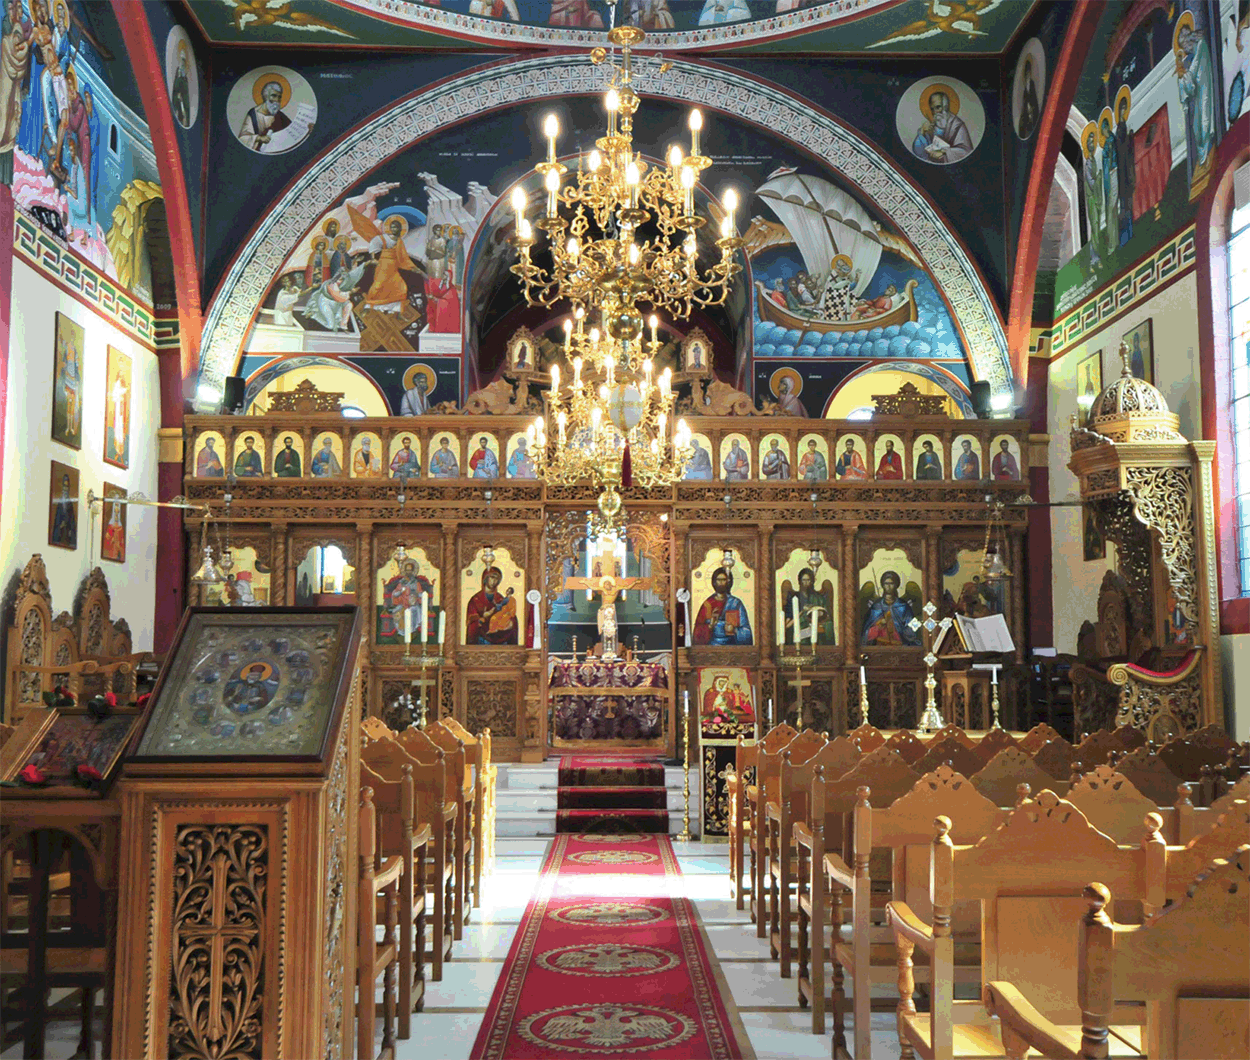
<point>239,841</point>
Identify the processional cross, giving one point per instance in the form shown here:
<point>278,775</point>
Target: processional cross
<point>608,586</point>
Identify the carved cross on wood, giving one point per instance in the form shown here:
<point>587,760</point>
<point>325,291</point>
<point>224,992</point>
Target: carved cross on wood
<point>217,934</point>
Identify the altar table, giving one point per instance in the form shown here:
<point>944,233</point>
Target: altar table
<point>600,700</point>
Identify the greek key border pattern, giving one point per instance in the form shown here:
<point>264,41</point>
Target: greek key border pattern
<point>1169,262</point>
<point>417,117</point>
<point>496,31</point>
<point>102,294</point>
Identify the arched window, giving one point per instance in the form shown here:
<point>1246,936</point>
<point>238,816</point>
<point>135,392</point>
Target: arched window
<point>1239,359</point>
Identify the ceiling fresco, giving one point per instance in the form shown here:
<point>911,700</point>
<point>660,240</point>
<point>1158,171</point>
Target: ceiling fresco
<point>957,27</point>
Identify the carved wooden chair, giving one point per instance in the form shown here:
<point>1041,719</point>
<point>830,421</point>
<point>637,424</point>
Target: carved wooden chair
<point>422,747</point>
<point>866,737</point>
<point>950,751</point>
<point>992,743</point>
<point>1000,779</point>
<point>1149,774</point>
<point>1186,964</point>
<point>379,883</point>
<point>904,827</point>
<point>767,777</point>
<point>433,808</point>
<point>400,834</point>
<point>736,790</point>
<point>489,777</point>
<point>907,745</point>
<point>444,732</point>
<point>1028,876</point>
<point>791,806</point>
<point>1228,834</point>
<point>826,829</point>
<point>376,729</point>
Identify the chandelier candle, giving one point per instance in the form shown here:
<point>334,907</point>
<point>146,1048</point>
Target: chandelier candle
<point>619,234</point>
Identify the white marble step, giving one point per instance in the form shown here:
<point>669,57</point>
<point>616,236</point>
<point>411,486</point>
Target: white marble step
<point>521,801</point>
<point>522,825</point>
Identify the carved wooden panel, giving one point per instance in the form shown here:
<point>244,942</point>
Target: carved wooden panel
<point>492,704</point>
<point>221,898</point>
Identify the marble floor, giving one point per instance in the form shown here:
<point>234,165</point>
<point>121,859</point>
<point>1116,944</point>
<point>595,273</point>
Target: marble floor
<point>454,1007</point>
<point>766,1002</point>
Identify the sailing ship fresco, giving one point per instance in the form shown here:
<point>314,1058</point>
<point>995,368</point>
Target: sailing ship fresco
<point>856,289</point>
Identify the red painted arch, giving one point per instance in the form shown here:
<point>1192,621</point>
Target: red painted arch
<point>1049,138</point>
<point>150,78</point>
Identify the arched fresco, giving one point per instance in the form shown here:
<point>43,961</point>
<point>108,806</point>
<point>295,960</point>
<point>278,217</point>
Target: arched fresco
<point>282,241</point>
<point>825,25</point>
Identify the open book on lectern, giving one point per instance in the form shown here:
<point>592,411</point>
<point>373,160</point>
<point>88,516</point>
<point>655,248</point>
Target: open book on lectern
<point>976,635</point>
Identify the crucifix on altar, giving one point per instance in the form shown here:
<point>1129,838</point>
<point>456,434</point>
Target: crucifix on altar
<point>608,583</point>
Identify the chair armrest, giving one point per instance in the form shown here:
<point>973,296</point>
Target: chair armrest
<point>803,835</point>
<point>773,811</point>
<point>837,869</point>
<point>904,922</point>
<point>1023,1022</point>
<point>389,873</point>
<point>753,793</point>
<point>421,836</point>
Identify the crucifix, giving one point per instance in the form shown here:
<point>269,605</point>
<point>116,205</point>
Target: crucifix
<point>608,585</point>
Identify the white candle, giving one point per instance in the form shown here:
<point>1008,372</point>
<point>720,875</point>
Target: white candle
<point>407,625</point>
<point>425,616</point>
<point>794,613</point>
<point>863,678</point>
<point>994,674</point>
<point>813,629</point>
<point>442,626</point>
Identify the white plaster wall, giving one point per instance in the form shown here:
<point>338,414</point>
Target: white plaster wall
<point>1175,333</point>
<point>1235,657</point>
<point>29,451</point>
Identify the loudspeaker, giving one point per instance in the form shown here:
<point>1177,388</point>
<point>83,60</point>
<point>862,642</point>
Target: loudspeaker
<point>980,400</point>
<point>232,393</point>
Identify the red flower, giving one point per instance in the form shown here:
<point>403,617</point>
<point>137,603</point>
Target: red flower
<point>32,774</point>
<point>88,773</point>
<point>110,698</point>
<point>142,701</point>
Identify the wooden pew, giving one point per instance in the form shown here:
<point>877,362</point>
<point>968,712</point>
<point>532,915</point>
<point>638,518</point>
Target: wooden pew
<point>904,823</point>
<point>422,747</point>
<point>885,773</point>
<point>767,775</point>
<point>400,832</point>
<point>1187,965</point>
<point>432,807</point>
<point>794,785</point>
<point>374,959</point>
<point>739,815</point>
<point>1026,874</point>
<point>473,752</point>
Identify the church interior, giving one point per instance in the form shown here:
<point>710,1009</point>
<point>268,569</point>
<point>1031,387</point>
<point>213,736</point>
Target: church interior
<point>781,514</point>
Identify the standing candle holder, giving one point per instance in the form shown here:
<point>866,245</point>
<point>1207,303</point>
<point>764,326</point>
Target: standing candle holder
<point>684,835</point>
<point>794,655</point>
<point>994,695</point>
<point>931,719</point>
<point>863,691</point>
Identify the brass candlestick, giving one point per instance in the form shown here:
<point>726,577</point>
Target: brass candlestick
<point>994,696</point>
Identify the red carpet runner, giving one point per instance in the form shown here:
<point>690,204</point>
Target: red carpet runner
<point>611,795</point>
<point>611,960</point>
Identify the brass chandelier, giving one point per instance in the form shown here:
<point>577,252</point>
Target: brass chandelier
<point>627,236</point>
